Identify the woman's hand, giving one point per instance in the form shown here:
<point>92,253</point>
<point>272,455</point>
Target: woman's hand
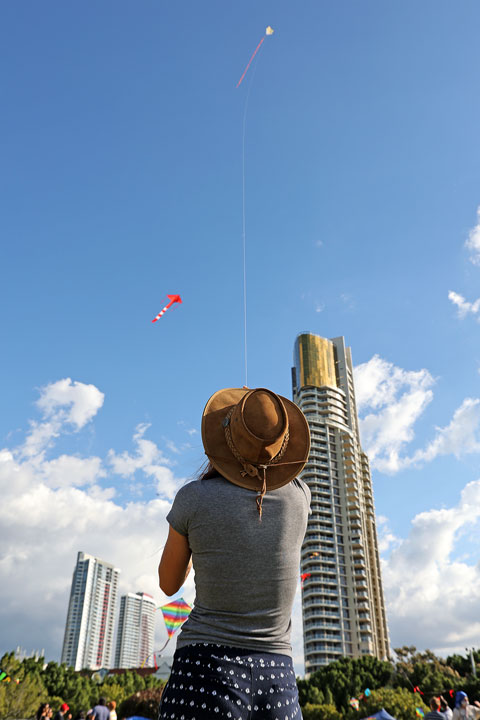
<point>175,564</point>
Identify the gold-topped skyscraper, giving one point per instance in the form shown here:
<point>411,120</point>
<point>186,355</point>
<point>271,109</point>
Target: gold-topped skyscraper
<point>342,595</point>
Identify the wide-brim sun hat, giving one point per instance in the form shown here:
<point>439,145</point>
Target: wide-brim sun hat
<point>255,438</point>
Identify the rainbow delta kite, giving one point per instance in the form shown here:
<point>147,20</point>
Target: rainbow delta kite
<point>174,613</point>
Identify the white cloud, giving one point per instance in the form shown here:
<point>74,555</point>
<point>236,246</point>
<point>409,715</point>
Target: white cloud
<point>386,538</point>
<point>72,402</point>
<point>460,437</point>
<point>473,241</point>
<point>432,597</point>
<point>51,509</point>
<point>71,470</point>
<point>61,403</point>
<point>464,307</point>
<point>390,400</point>
<point>319,307</point>
<point>149,459</point>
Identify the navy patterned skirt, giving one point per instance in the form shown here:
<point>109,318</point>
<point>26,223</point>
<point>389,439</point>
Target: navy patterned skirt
<point>214,681</point>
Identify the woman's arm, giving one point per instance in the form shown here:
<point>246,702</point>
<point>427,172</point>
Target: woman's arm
<point>175,563</point>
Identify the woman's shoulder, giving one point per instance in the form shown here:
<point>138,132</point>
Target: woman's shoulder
<point>303,487</point>
<point>196,487</point>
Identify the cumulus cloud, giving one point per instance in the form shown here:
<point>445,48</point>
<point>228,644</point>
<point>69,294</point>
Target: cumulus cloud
<point>459,437</point>
<point>52,508</point>
<point>390,400</point>
<point>386,538</point>
<point>62,403</point>
<point>149,459</point>
<point>72,402</point>
<point>473,241</point>
<point>431,596</point>
<point>464,307</point>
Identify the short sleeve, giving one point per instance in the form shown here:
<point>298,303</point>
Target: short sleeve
<point>182,508</point>
<point>306,491</point>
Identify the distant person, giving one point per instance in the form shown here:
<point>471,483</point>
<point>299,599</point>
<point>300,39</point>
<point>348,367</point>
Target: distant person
<point>434,713</point>
<point>101,711</point>
<point>42,711</point>
<point>60,715</point>
<point>463,710</point>
<point>242,524</point>
<point>445,709</point>
<point>112,705</point>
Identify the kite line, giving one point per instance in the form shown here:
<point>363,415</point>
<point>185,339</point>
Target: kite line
<point>268,31</point>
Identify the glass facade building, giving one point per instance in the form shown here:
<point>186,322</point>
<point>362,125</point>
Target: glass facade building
<point>88,639</point>
<point>343,606</point>
<point>136,631</point>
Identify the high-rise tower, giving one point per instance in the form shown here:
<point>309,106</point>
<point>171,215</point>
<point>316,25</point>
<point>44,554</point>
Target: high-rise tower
<point>342,596</point>
<point>88,639</point>
<point>136,630</point>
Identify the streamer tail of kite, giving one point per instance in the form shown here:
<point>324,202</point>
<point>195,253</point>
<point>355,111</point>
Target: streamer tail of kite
<point>268,31</point>
<point>173,299</point>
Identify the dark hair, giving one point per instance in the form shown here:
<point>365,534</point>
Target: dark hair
<point>435,703</point>
<point>41,710</point>
<point>206,471</point>
<point>102,701</point>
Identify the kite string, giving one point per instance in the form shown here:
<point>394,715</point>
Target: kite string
<point>244,234</point>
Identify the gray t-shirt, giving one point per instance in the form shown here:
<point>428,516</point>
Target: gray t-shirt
<point>246,571</point>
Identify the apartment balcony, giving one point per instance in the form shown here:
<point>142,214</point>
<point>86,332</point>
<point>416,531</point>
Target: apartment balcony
<point>322,581</point>
<point>322,636</point>
<point>363,605</point>
<point>317,602</point>
<point>320,594</point>
<point>364,619</point>
<point>316,614</point>
<point>359,564</point>
<point>366,628</point>
<point>358,553</point>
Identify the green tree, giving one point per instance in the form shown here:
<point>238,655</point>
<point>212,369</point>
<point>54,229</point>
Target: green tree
<point>425,670</point>
<point>320,712</point>
<point>346,678</point>
<point>399,702</point>
<point>20,697</point>
<point>145,703</point>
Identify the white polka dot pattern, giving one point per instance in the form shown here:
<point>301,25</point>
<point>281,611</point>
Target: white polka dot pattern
<point>213,681</point>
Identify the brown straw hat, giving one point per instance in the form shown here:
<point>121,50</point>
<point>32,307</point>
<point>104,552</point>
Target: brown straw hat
<point>255,438</point>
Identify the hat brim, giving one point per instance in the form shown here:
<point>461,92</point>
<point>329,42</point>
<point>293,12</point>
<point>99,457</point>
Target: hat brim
<point>220,455</point>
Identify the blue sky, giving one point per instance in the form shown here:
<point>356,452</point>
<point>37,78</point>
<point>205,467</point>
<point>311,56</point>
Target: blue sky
<point>122,182</point>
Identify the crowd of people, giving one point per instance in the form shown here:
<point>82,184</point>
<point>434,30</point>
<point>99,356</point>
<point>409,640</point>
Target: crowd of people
<point>441,710</point>
<point>101,711</point>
